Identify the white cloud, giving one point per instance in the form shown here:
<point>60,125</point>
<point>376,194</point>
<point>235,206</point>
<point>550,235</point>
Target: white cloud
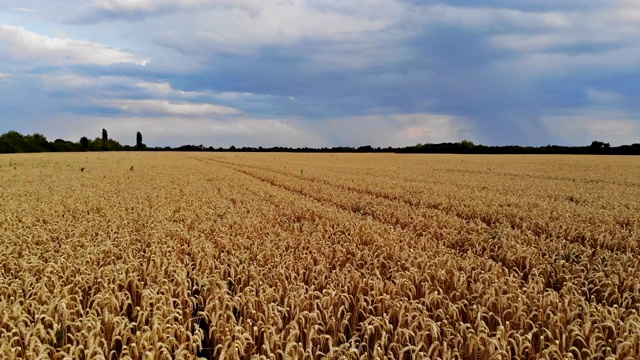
<point>236,95</point>
<point>176,131</point>
<point>396,129</point>
<point>69,80</point>
<point>393,130</point>
<point>533,42</point>
<point>562,41</point>
<point>23,9</point>
<point>613,127</point>
<point>131,6</point>
<point>137,9</point>
<point>148,97</point>
<point>549,64</point>
<point>610,27</point>
<point>623,12</point>
<point>85,88</point>
<point>23,44</point>
<point>168,108</point>
<point>604,97</point>
<point>161,88</point>
<point>284,23</point>
<point>492,18</point>
<point>430,127</point>
<point>3,75</point>
<point>165,89</point>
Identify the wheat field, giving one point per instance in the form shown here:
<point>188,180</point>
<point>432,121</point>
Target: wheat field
<point>310,256</point>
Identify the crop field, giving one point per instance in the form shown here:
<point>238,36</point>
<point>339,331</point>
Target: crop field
<point>311,256</point>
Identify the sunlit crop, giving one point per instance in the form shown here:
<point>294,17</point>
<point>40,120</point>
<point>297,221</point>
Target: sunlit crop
<point>308,256</point>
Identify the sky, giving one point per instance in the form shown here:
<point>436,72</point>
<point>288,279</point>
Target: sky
<point>322,72</point>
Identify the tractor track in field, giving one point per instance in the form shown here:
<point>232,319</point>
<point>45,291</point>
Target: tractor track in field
<point>516,265</point>
<point>539,177</point>
<point>411,230</point>
<point>414,203</point>
<point>307,195</point>
<point>455,250</point>
<point>491,223</point>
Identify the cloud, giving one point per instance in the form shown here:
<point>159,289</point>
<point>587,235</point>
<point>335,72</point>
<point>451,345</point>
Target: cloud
<point>4,75</point>
<point>491,18</point>
<point>63,80</point>
<point>341,72</point>
<point>393,129</point>
<point>165,89</point>
<point>342,33</point>
<point>535,42</point>
<point>122,95</point>
<point>162,107</point>
<point>135,10</point>
<point>161,88</point>
<point>176,131</point>
<point>613,127</point>
<point>604,97</point>
<point>143,5</point>
<point>26,45</point>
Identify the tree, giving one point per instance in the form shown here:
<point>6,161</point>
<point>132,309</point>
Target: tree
<point>64,146</point>
<point>104,135</point>
<point>84,142</point>
<point>467,144</point>
<point>99,145</point>
<point>37,143</point>
<point>12,142</point>
<point>139,143</point>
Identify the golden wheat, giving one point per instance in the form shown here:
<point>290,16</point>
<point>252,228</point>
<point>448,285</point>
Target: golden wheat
<point>275,256</point>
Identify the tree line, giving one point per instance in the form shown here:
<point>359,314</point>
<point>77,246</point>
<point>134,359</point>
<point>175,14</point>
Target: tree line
<point>14,142</point>
<point>463,147</point>
<point>467,147</point>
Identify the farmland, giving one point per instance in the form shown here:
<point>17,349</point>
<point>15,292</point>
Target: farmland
<point>309,256</point>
